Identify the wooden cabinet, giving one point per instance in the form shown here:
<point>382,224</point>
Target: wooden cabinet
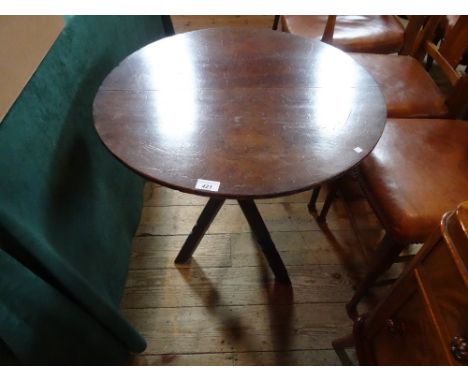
<point>424,319</point>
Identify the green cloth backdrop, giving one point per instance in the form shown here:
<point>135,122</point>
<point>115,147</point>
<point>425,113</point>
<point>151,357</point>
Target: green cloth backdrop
<point>68,208</point>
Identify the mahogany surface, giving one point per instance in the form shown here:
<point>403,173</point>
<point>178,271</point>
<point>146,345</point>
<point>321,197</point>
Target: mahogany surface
<point>264,113</point>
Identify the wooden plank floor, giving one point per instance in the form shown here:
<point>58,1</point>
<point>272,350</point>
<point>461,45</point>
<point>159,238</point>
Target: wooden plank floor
<point>190,23</point>
<point>224,308</point>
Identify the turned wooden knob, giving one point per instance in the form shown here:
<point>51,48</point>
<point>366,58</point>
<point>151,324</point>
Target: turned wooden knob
<point>395,327</point>
<point>459,349</point>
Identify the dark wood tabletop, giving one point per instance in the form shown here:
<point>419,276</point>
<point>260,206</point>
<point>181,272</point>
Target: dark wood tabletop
<point>264,113</point>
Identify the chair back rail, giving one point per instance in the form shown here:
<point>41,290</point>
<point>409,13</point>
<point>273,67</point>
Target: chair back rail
<point>423,30</point>
<point>449,53</point>
<point>455,43</point>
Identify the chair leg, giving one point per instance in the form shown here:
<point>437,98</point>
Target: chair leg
<point>386,254</point>
<point>340,344</point>
<point>313,199</point>
<point>275,22</point>
<point>333,189</point>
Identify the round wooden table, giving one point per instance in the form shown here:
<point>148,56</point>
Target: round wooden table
<point>239,113</point>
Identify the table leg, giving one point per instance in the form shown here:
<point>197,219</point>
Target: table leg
<point>263,237</point>
<point>313,200</point>
<point>203,223</point>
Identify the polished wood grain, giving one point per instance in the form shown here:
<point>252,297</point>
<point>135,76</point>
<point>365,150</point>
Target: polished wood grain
<point>264,113</point>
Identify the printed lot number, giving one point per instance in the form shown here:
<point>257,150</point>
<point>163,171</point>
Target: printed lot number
<point>207,185</point>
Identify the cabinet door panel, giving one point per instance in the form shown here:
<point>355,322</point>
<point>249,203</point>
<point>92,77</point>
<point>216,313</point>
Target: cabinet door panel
<point>408,336</point>
<point>448,294</point>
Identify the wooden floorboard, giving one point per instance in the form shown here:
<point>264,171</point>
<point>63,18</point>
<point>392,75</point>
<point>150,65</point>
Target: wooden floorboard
<point>240,249</point>
<point>325,357</point>
<point>151,252</point>
<point>197,286</point>
<point>223,306</point>
<point>173,220</point>
<point>220,329</point>
<point>189,23</point>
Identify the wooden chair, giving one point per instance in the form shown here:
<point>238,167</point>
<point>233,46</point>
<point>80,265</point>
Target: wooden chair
<point>423,320</point>
<point>410,92</point>
<point>417,171</point>
<point>370,34</point>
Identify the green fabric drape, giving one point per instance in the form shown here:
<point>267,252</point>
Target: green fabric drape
<point>68,209</point>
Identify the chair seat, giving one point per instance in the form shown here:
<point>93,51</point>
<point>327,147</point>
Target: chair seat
<point>417,171</point>
<point>409,90</point>
<point>371,34</point>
